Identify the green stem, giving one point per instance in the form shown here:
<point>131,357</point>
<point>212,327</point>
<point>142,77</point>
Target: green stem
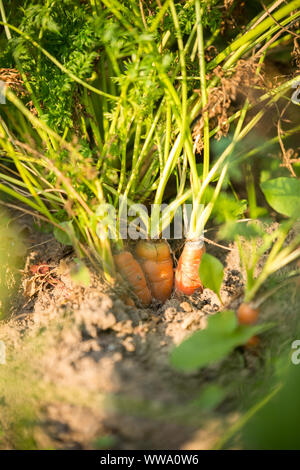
<point>3,16</point>
<point>255,32</point>
<point>203,86</point>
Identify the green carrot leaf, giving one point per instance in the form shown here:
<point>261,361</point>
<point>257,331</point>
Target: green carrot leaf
<point>211,272</point>
<point>64,234</point>
<point>283,195</point>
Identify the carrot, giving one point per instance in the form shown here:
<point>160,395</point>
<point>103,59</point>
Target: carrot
<point>253,342</point>
<point>157,264</point>
<point>187,279</point>
<point>246,314</point>
<point>132,272</point>
<point>128,301</point>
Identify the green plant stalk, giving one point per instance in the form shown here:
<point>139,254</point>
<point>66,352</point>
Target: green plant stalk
<point>23,199</point>
<point>277,259</point>
<point>103,246</point>
<point>137,138</point>
<point>93,120</point>
<point>160,152</point>
<point>149,182</point>
<point>249,46</point>
<point>183,173</point>
<point>250,184</point>
<point>182,68</point>
<point>267,272</point>
<point>169,212</point>
<point>16,182</point>
<point>240,423</point>
<point>122,172</point>
<point>112,130</point>
<point>275,94</point>
<point>26,177</point>
<point>185,133</point>
<point>159,16</point>
<point>196,227</point>
<point>3,16</point>
<point>250,187</point>
<point>176,102</point>
<point>203,219</point>
<point>279,90</point>
<point>120,12</point>
<point>168,131</point>
<point>135,170</point>
<point>255,32</point>
<point>196,107</point>
<point>203,86</point>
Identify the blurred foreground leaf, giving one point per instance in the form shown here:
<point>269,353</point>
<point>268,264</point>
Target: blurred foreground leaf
<point>65,234</point>
<point>80,274</point>
<point>221,337</point>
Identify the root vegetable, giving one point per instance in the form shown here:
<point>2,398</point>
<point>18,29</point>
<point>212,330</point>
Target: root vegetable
<point>128,301</point>
<point>253,342</point>
<point>246,314</point>
<point>157,264</point>
<point>132,272</point>
<point>187,279</point>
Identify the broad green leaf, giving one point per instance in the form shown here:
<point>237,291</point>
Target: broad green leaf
<point>247,230</point>
<point>283,195</point>
<point>221,337</point>
<point>80,274</point>
<point>64,235</point>
<point>211,273</point>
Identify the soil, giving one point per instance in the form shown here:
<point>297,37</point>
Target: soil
<point>99,370</point>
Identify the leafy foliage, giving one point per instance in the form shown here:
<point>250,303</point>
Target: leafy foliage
<point>222,336</point>
<point>283,195</point>
<point>211,273</point>
<point>65,29</point>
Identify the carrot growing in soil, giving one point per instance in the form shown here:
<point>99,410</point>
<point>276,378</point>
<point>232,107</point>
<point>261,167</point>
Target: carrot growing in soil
<point>187,279</point>
<point>157,264</point>
<point>131,272</point>
<point>248,315</point>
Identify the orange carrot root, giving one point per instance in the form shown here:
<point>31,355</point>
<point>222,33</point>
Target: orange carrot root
<point>247,315</point>
<point>157,264</point>
<point>253,342</point>
<point>187,279</point>
<point>132,272</point>
<point>128,301</point>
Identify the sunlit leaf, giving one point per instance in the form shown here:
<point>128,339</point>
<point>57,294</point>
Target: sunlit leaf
<point>283,195</point>
<point>211,272</point>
